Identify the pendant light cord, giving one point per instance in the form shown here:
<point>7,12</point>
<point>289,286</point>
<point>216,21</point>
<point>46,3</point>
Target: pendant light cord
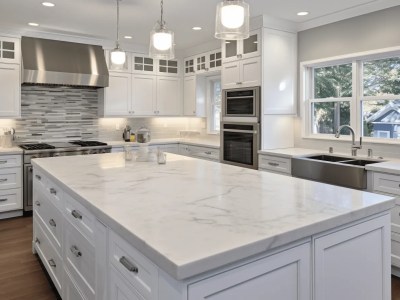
<point>117,23</point>
<point>162,14</point>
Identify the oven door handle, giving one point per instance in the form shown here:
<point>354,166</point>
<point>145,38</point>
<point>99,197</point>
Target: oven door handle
<point>240,131</point>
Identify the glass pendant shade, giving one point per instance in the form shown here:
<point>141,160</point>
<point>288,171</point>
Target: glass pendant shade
<point>161,43</point>
<point>232,20</point>
<point>118,56</point>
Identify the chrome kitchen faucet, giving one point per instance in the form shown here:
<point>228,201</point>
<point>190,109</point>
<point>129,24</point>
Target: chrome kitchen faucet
<point>354,146</point>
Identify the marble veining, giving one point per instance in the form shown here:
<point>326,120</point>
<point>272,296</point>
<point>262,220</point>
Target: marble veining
<point>190,216</point>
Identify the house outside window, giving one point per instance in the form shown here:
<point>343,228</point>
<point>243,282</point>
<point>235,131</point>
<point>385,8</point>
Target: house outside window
<point>363,92</point>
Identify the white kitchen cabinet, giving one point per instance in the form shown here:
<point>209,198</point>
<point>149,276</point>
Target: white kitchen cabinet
<point>10,50</point>
<point>274,164</point>
<point>353,263</point>
<point>168,67</point>
<point>143,65</point>
<point>194,96</point>
<point>189,68</point>
<point>10,90</point>
<point>10,185</point>
<point>144,95</point>
<point>117,96</point>
<point>169,97</point>
<point>284,276</point>
<point>70,290</point>
<point>202,152</point>
<point>233,50</point>
<point>279,60</point>
<point>241,73</point>
<point>214,60</point>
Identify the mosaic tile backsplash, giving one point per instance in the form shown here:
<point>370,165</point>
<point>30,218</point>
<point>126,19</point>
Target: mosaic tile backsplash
<point>57,113</point>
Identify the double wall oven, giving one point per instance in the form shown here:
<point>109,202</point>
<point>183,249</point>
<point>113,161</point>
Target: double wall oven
<point>240,127</point>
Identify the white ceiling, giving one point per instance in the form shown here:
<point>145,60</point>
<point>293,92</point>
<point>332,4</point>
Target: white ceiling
<point>97,18</point>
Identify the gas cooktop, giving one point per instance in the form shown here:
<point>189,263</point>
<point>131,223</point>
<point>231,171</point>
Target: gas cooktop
<point>59,145</point>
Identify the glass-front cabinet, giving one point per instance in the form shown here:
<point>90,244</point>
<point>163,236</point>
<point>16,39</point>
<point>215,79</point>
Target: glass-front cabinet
<point>189,66</point>
<point>10,50</point>
<point>250,47</point>
<point>168,67</point>
<point>215,60</point>
<point>143,64</point>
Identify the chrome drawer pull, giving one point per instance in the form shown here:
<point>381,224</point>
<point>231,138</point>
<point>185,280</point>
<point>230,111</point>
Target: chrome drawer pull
<point>52,263</point>
<point>3,200</point>
<point>128,265</point>
<point>53,191</point>
<point>273,164</point>
<point>208,152</point>
<point>37,241</point>
<point>37,203</point>
<point>75,251</point>
<point>3,179</point>
<point>3,161</point>
<point>76,214</point>
<point>38,177</point>
<point>52,223</point>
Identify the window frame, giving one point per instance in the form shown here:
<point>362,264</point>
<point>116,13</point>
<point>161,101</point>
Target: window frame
<point>210,101</point>
<point>356,121</point>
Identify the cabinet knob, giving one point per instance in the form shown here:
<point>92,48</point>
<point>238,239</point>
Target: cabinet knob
<point>37,203</point>
<point>76,214</point>
<point>75,251</point>
<point>52,223</point>
<point>128,265</point>
<point>37,241</point>
<point>52,263</point>
<point>38,177</point>
<point>53,191</point>
<point>3,199</point>
<point>3,179</point>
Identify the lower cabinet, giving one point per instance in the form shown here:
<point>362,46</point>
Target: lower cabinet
<point>199,152</point>
<point>274,164</point>
<point>347,262</point>
<point>283,276</point>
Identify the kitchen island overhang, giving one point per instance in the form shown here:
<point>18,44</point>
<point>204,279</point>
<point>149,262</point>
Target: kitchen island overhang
<point>192,217</point>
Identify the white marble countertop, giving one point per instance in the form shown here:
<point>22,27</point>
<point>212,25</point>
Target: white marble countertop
<point>212,143</point>
<point>191,216</point>
<point>290,152</point>
<point>11,150</point>
<point>391,166</point>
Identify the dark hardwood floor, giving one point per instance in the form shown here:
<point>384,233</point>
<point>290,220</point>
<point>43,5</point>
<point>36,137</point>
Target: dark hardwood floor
<point>21,274</point>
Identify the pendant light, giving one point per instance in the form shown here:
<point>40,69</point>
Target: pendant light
<point>232,20</point>
<point>161,39</point>
<point>118,56</point>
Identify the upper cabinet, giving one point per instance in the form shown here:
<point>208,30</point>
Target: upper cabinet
<point>10,50</point>
<point>189,68</point>
<point>233,50</point>
<point>168,67</point>
<point>202,63</point>
<point>10,77</point>
<point>143,64</point>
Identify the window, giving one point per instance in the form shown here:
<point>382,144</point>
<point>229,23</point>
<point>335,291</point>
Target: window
<point>363,92</point>
<point>214,94</point>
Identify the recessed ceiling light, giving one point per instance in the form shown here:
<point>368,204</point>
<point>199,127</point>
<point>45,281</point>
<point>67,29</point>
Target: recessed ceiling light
<point>197,28</point>
<point>33,24</point>
<point>303,13</point>
<point>48,4</point>
<point>128,37</point>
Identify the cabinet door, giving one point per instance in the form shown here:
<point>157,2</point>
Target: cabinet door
<point>230,50</point>
<point>189,66</point>
<point>250,72</point>
<point>284,276</point>
<point>189,96</point>
<point>168,67</point>
<point>250,47</point>
<point>215,60</point>
<point>280,65</point>
<point>144,93</point>
<point>230,75</point>
<point>354,263</point>
<point>143,65</point>
<point>169,101</point>
<point>70,291</point>
<point>201,63</point>
<point>10,50</point>
<point>117,100</point>
<point>10,87</point>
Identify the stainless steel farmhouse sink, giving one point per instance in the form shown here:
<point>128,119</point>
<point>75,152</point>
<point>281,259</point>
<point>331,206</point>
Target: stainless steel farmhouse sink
<point>337,170</point>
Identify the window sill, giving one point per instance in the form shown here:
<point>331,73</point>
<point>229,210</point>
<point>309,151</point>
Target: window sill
<point>348,139</point>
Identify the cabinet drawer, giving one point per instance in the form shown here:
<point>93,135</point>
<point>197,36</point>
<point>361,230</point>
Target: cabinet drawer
<point>71,291</point>
<point>10,199</point>
<point>395,243</point>
<point>54,193</point>
<point>395,215</point>
<point>120,289</point>
<point>79,259</point>
<point>49,217</point>
<point>274,163</point>
<point>80,217</point>
<point>10,161</point>
<point>39,180</point>
<point>10,178</point>
<point>49,256</point>
<point>387,183</point>
<point>137,269</point>
<point>207,153</point>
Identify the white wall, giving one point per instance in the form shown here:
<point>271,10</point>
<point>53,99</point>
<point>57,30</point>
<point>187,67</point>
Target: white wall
<point>373,31</point>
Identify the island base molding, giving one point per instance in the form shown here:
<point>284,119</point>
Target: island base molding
<point>87,260</point>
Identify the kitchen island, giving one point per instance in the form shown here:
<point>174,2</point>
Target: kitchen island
<point>192,229</point>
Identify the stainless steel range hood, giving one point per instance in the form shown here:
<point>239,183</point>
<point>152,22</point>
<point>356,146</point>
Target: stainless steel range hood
<point>63,63</point>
